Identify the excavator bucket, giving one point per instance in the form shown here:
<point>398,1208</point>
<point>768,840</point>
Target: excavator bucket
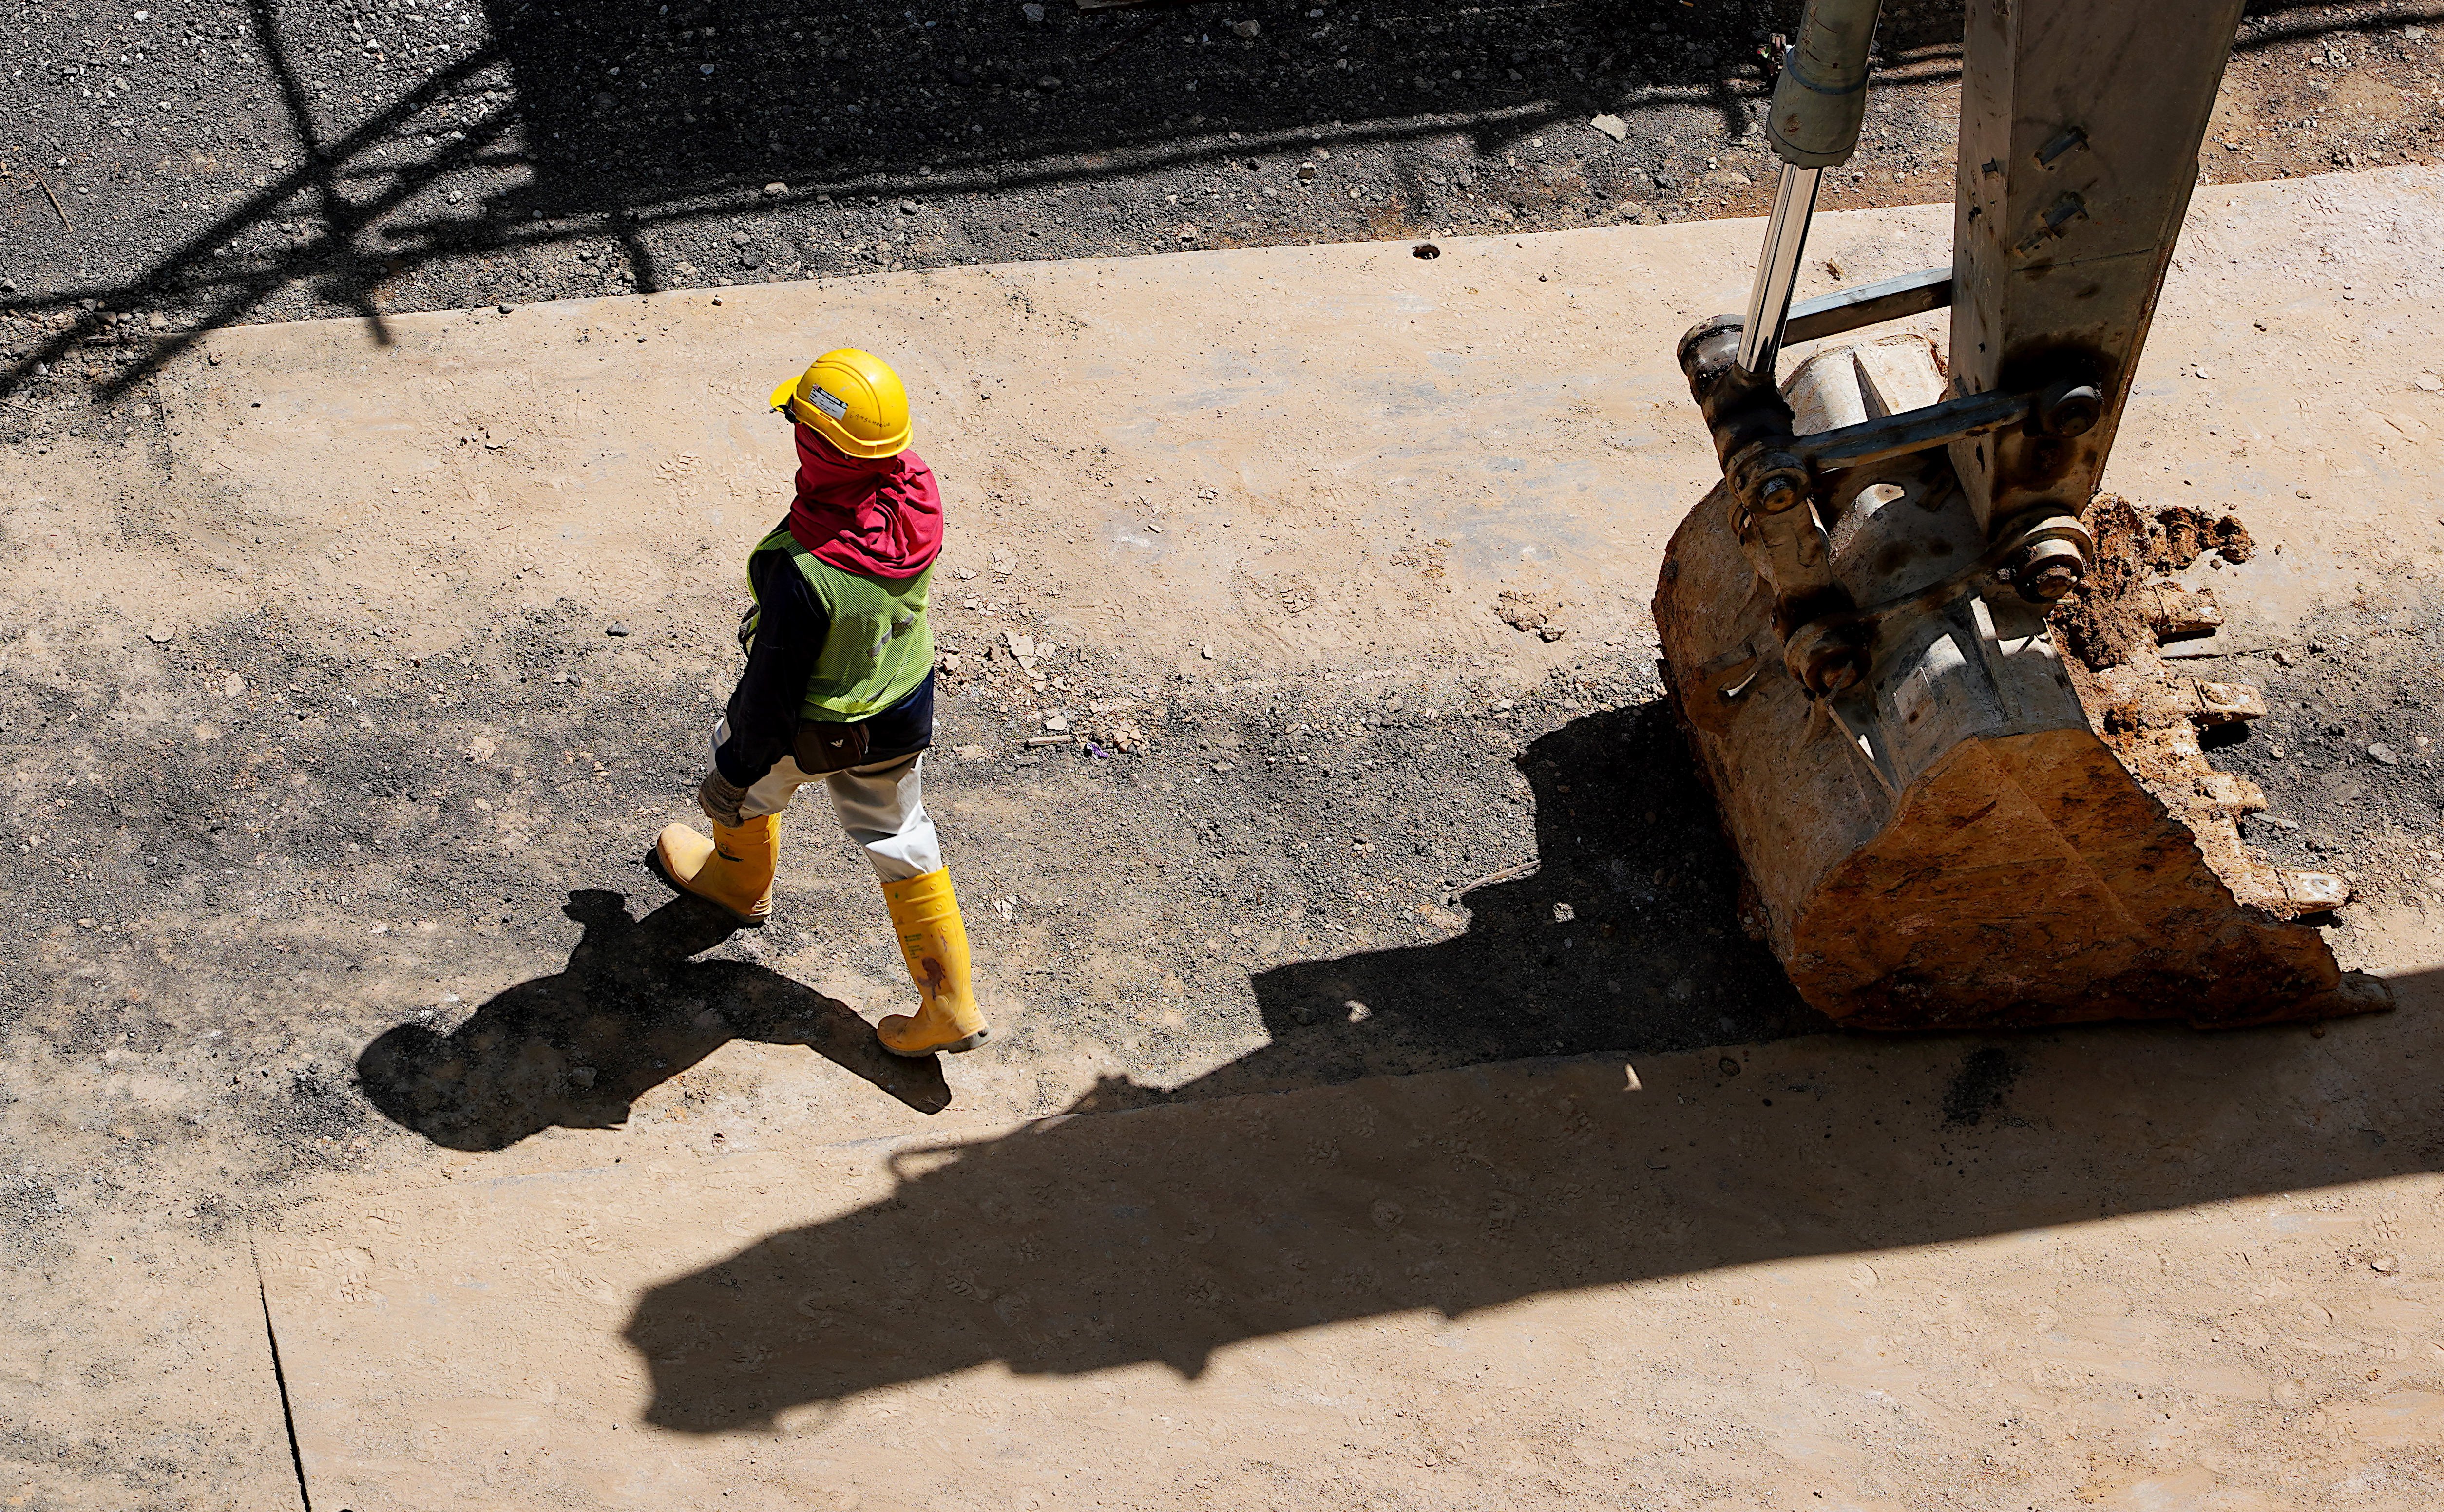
<point>1974,828</point>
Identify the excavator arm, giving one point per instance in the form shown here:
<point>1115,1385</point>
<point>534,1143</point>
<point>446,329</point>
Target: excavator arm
<point>1937,810</point>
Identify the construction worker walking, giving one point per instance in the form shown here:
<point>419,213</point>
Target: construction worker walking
<point>839,689</point>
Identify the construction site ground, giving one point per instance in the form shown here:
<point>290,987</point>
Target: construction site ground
<point>1388,1109</point>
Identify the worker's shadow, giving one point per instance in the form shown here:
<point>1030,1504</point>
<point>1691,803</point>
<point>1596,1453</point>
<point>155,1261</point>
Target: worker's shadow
<point>632,1009</point>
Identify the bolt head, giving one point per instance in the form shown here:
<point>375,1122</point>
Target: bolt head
<point>2073,411</point>
<point>2051,582</point>
<point>1836,671</point>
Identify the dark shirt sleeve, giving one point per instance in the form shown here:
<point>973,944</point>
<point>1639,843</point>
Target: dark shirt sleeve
<point>790,632</point>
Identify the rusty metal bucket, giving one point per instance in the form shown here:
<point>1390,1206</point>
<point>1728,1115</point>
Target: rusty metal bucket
<point>1951,841</point>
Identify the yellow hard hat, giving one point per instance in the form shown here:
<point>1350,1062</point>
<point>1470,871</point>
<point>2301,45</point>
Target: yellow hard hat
<point>853,399</point>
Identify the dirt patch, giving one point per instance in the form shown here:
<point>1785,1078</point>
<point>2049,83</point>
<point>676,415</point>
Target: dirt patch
<point>2121,605</point>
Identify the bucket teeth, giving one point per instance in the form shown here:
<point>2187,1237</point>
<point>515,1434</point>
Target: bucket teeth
<point>2309,892</point>
<point>2176,613</point>
<point>2017,823</point>
<point>2226,703</point>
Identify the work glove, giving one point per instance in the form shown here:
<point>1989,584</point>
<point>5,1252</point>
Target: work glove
<point>719,798</point>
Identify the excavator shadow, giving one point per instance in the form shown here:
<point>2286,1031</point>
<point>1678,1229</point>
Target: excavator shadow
<point>1167,1233</point>
<point>1621,932</point>
<point>631,1010</point>
<point>1308,1184</point>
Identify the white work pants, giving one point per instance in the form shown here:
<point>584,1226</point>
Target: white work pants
<point>881,806</point>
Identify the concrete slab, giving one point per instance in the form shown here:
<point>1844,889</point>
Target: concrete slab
<point>1287,421</point>
<point>1828,1271</point>
<point>137,1372</point>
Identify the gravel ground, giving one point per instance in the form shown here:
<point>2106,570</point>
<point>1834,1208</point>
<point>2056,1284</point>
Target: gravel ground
<point>200,162</point>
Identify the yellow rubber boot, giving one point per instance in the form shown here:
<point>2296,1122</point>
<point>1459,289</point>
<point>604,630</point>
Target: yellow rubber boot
<point>925,914</point>
<point>733,870</point>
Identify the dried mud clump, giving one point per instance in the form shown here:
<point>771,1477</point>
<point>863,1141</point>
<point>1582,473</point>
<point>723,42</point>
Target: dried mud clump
<point>2122,605</point>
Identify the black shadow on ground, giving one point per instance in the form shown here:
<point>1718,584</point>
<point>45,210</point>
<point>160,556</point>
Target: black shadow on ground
<point>1166,1233</point>
<point>626,98</point>
<point>1621,934</point>
<point>1176,1223</point>
<point>576,1048</point>
<point>1625,936</point>
<point>633,114</point>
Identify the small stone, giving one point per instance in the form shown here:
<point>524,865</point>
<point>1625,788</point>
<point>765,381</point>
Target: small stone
<point>2428,382</point>
<point>776,189</point>
<point>2206,374</point>
<point>1056,723</point>
<point>1612,126</point>
<point>1032,13</point>
<point>506,309</point>
<point>2384,1264</point>
<point>1564,912</point>
<point>160,634</point>
<point>1206,652</point>
<point>2384,755</point>
<point>581,1078</point>
<point>1245,29</point>
<point>233,686</point>
<point>1550,632</point>
<point>614,628</point>
<point>456,196</point>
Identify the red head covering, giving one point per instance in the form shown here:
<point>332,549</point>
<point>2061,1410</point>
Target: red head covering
<point>880,518</point>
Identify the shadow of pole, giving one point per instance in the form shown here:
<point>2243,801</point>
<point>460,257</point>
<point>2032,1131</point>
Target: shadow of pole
<point>248,290</point>
<point>575,1049</point>
<point>679,143</point>
<point>340,218</point>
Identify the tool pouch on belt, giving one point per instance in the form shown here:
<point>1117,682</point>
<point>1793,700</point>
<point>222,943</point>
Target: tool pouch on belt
<point>822,746</point>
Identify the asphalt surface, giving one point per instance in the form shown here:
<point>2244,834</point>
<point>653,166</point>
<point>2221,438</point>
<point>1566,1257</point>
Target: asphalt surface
<point>181,164</point>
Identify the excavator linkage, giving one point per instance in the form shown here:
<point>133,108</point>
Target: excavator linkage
<point>1945,821</point>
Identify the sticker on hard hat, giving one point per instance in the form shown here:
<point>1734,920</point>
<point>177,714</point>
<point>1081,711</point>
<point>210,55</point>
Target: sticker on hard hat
<point>826,400</point>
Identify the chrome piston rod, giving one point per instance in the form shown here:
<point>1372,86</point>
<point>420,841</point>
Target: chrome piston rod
<point>1812,125</point>
<point>1777,274</point>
